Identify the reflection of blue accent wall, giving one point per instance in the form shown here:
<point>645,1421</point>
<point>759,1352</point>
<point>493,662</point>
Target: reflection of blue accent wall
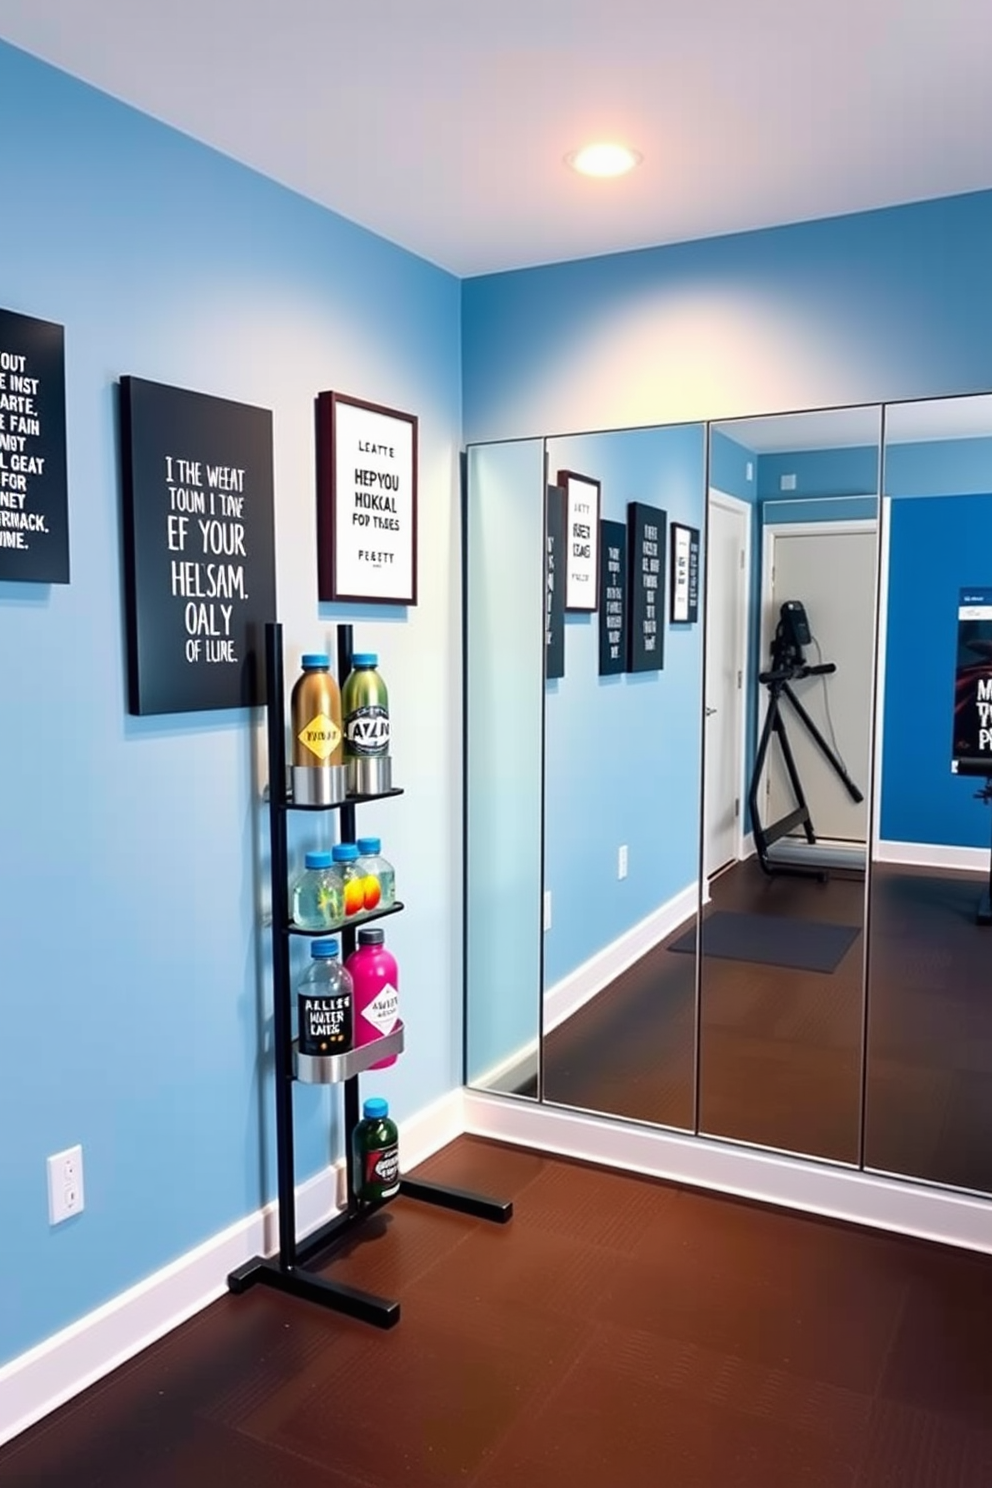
<point>623,752</point>
<point>729,463</point>
<point>829,472</point>
<point>933,467</point>
<point>937,546</point>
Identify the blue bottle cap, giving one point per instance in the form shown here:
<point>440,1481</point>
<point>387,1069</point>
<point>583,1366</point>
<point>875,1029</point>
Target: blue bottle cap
<point>315,659</point>
<point>369,846</point>
<point>317,859</point>
<point>324,948</point>
<point>365,658</point>
<point>344,852</point>
<point>375,1108</point>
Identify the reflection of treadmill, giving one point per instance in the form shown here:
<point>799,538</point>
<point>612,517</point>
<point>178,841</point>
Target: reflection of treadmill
<point>789,665</point>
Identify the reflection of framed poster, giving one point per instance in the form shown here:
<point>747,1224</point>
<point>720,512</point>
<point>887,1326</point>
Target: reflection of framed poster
<point>554,583</point>
<point>34,506</point>
<point>366,501</point>
<point>581,539</point>
<point>646,606</point>
<point>685,574</point>
<point>972,742</point>
<point>612,598</point>
<point>199,554</point>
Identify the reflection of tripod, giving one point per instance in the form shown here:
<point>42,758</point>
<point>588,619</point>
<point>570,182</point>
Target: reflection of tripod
<point>789,665</point>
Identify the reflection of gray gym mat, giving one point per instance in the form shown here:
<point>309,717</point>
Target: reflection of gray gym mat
<point>807,945</point>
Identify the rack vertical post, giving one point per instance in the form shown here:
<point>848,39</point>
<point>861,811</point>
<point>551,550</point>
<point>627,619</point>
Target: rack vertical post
<point>289,1270</point>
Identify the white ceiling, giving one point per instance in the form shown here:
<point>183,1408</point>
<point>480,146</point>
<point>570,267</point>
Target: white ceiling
<point>442,124</point>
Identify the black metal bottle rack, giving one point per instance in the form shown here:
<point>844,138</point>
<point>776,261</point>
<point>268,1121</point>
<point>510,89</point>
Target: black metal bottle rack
<point>289,1270</point>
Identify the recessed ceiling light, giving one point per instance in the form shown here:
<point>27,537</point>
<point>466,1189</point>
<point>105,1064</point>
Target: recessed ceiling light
<point>603,160</point>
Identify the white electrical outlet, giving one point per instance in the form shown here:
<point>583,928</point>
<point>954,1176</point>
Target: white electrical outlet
<point>622,861</point>
<point>65,1184</point>
<point>547,909</point>
<point>749,470</point>
<point>787,483</point>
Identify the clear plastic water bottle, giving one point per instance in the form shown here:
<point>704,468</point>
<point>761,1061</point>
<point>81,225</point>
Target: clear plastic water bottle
<point>345,859</point>
<point>381,893</point>
<point>324,1000</point>
<point>376,1146</point>
<point>318,894</point>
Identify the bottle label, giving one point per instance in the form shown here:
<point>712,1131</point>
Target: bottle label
<point>383,1011</point>
<point>381,1168</point>
<point>321,736</point>
<point>325,1024</point>
<point>366,731</point>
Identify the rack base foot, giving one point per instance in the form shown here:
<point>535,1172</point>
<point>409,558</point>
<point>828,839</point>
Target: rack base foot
<point>498,1211</point>
<point>381,1312</point>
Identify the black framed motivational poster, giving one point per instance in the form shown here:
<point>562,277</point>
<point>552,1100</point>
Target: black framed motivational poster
<point>554,582</point>
<point>685,574</point>
<point>34,502</point>
<point>645,550</point>
<point>582,539</point>
<point>366,501</point>
<point>199,547</point>
<point>612,598</point>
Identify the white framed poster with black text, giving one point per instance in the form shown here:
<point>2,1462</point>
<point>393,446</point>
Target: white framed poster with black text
<point>366,501</point>
<point>581,540</point>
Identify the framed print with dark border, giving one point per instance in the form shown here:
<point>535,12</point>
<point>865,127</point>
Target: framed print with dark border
<point>646,528</point>
<point>684,575</point>
<point>612,598</point>
<point>199,548</point>
<point>34,498</point>
<point>366,501</point>
<point>581,539</point>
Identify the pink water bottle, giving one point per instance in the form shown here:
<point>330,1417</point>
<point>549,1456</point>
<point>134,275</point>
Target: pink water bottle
<point>375,997</point>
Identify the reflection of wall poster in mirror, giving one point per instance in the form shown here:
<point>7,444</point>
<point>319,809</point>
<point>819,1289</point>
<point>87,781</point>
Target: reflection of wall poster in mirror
<point>685,574</point>
<point>554,583</point>
<point>366,501</point>
<point>646,606</point>
<point>199,554</point>
<point>582,527</point>
<point>612,598</point>
<point>973,684</point>
<point>34,505</point>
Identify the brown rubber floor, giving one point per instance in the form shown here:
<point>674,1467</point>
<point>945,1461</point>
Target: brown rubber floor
<point>618,1331</point>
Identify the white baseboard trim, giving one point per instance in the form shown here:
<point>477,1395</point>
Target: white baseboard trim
<point>581,985</point>
<point>816,1188</point>
<point>55,1370</point>
<point>932,855</point>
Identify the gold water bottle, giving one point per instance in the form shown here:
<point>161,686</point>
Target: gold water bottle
<point>318,772</point>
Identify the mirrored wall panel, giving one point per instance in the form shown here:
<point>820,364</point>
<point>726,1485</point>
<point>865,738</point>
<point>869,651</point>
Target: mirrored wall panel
<point>622,771</point>
<point>790,617</point>
<point>929,1066</point>
<point>504,724</point>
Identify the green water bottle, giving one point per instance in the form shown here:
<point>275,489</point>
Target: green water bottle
<point>365,710</point>
<point>376,1152</point>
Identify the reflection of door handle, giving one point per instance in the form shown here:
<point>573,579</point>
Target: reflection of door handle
<point>710,712</point>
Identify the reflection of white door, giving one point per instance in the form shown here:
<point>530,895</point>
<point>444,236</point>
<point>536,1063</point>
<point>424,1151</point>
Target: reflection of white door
<point>830,567</point>
<point>727,547</point>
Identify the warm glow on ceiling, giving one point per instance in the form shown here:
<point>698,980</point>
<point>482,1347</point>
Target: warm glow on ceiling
<point>603,160</point>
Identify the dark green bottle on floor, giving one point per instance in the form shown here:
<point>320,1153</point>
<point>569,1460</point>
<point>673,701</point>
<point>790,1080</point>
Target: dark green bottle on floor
<point>376,1152</point>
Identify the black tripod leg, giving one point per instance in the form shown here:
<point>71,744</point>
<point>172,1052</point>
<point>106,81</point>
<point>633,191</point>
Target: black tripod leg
<point>760,841</point>
<point>824,747</point>
<point>793,773</point>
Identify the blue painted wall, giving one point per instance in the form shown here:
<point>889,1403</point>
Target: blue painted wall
<point>826,472</point>
<point>860,309</point>
<point>136,1006</point>
<point>623,753</point>
<point>937,546</point>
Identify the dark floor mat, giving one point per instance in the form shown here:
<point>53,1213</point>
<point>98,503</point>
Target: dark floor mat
<point>774,940</point>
